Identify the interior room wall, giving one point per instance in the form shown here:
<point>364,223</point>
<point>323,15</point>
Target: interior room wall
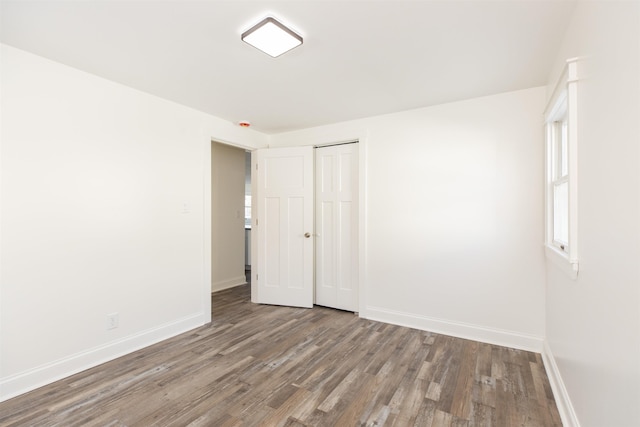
<point>105,190</point>
<point>227,216</point>
<point>593,323</point>
<point>453,199</point>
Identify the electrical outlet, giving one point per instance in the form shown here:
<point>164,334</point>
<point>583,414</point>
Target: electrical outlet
<point>112,320</point>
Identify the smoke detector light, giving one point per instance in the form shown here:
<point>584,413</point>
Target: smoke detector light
<point>271,37</point>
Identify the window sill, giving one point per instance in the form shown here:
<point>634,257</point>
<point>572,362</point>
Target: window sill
<point>561,261</point>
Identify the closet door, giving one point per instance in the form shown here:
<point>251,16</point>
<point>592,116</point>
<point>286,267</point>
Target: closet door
<point>284,226</point>
<point>337,226</point>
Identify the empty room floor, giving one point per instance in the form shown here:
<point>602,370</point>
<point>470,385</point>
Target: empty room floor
<point>259,365</point>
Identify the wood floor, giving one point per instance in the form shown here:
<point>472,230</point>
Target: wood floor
<point>261,365</point>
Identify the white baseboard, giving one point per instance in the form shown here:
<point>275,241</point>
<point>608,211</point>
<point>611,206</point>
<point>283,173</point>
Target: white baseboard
<point>24,382</point>
<point>229,283</point>
<point>457,329</point>
<point>563,402</point>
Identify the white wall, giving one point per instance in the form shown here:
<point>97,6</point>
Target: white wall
<point>453,199</point>
<point>95,177</point>
<point>227,216</point>
<point>593,323</point>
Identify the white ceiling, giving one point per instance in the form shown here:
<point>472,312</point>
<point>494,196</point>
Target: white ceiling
<point>359,58</point>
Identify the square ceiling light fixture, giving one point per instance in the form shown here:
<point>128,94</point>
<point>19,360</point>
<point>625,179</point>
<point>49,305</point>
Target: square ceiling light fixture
<point>271,37</point>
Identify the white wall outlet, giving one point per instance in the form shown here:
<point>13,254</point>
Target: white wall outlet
<point>113,320</point>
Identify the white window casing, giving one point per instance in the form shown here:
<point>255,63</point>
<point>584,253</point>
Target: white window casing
<point>561,186</point>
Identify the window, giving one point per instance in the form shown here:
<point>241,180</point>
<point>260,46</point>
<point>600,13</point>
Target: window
<point>561,159</point>
<point>560,182</point>
<point>247,211</point>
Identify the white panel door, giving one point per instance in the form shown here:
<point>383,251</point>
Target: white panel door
<point>337,226</point>
<point>284,195</point>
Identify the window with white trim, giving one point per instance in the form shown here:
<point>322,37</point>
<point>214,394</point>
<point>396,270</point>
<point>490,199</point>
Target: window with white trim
<point>559,186</point>
<point>561,238</point>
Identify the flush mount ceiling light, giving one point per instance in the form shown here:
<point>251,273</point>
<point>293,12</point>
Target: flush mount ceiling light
<point>271,37</point>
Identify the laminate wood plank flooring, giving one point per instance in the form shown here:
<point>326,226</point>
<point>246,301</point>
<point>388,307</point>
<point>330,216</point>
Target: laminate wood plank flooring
<point>259,365</point>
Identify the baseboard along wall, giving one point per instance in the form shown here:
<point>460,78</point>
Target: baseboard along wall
<point>32,379</point>
<point>229,283</point>
<point>457,329</point>
<point>563,402</point>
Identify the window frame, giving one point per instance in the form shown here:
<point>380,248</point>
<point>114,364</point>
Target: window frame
<point>561,124</point>
<point>559,174</point>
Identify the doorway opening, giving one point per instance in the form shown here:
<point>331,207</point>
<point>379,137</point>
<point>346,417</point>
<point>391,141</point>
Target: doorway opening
<point>247,216</point>
<point>230,251</point>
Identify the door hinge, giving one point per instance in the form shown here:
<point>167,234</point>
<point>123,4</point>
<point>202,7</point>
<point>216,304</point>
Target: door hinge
<point>256,221</point>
